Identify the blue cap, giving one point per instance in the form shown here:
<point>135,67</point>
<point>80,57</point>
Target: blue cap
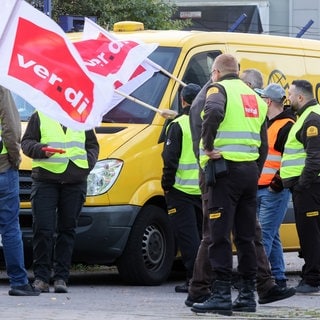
<point>274,91</point>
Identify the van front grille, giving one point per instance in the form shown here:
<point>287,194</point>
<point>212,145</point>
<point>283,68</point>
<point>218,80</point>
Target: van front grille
<point>25,185</point>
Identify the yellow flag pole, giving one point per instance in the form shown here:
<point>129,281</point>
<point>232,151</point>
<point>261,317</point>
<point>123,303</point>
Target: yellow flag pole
<point>167,113</point>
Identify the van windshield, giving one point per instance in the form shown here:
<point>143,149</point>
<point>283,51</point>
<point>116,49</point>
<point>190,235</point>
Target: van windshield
<point>128,111</point>
<point>151,92</point>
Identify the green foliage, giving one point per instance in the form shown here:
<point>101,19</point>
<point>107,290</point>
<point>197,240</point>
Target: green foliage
<point>155,14</point>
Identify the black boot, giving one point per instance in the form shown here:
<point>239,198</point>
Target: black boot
<point>219,302</point>
<point>246,300</point>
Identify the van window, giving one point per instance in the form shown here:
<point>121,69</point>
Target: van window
<point>199,67</point>
<point>198,71</point>
<point>25,109</point>
<point>150,92</point>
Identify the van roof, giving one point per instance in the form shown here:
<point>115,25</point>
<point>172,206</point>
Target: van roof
<point>189,39</point>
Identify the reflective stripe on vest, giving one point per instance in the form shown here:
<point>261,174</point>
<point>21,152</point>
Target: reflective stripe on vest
<point>4,149</point>
<point>294,155</point>
<point>273,161</point>
<point>238,135</point>
<point>73,142</point>
<point>187,175</point>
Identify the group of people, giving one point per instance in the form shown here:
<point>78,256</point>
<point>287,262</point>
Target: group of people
<point>231,161</point>
<point>252,152</point>
<point>59,185</point>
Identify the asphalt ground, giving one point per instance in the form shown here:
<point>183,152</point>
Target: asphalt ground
<point>98,293</point>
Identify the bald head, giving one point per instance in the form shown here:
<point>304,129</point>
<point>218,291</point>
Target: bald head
<point>226,63</point>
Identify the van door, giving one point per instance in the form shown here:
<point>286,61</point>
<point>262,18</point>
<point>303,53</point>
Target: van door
<point>197,68</point>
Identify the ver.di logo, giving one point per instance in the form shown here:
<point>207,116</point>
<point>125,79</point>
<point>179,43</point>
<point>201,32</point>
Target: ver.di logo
<point>47,65</point>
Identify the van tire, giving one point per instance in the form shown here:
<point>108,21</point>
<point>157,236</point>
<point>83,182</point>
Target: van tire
<point>149,253</point>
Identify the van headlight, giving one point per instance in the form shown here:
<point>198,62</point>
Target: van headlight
<point>103,176</point>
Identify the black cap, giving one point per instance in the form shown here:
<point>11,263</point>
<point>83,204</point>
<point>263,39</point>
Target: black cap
<point>189,92</point>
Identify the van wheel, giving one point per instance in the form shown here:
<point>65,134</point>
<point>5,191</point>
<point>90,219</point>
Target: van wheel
<point>149,253</point>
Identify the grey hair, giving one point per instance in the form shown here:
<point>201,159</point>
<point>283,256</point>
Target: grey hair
<point>252,77</point>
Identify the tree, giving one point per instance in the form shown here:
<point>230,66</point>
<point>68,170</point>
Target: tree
<point>154,14</point>
<point>37,4</point>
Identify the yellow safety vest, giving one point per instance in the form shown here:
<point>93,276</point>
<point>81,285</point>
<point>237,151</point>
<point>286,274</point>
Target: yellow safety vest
<point>238,135</point>
<point>187,175</point>
<point>73,142</point>
<point>294,155</point>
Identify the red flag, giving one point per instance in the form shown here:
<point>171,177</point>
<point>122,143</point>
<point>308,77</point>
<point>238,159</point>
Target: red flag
<point>138,75</point>
<point>113,59</point>
<point>37,65</point>
<point>40,64</point>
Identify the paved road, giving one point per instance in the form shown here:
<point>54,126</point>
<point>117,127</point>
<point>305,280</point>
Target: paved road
<point>101,295</point>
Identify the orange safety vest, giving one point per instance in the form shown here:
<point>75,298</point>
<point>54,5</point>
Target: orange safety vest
<point>273,161</point>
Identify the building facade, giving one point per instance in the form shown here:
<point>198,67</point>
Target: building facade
<point>293,18</point>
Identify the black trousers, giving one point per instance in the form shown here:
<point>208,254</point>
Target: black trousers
<point>185,212</point>
<point>203,276</point>
<point>306,204</point>
<point>232,207</point>
<point>55,209</point>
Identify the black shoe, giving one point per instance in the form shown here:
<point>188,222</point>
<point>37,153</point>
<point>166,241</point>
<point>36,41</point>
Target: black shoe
<point>212,305</point>
<point>41,285</point>
<point>60,286</point>
<point>182,288</point>
<point>276,293</point>
<point>305,288</point>
<point>245,302</point>
<point>281,283</point>
<point>219,302</point>
<point>25,290</point>
<point>190,301</point>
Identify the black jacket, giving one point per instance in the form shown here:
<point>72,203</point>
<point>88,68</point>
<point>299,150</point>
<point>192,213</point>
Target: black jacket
<point>31,147</point>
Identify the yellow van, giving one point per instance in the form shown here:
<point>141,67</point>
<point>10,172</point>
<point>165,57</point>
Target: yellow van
<point>124,220</point>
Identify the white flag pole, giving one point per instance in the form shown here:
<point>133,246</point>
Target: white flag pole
<point>165,72</point>
<point>167,113</point>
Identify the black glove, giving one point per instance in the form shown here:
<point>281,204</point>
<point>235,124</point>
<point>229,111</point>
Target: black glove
<point>276,183</point>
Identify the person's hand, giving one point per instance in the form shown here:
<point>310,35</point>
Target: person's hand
<point>168,114</point>
<point>49,154</point>
<point>271,190</point>
<point>213,154</point>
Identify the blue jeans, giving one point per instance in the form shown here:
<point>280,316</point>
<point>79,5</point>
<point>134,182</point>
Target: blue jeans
<point>10,228</point>
<point>272,208</point>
